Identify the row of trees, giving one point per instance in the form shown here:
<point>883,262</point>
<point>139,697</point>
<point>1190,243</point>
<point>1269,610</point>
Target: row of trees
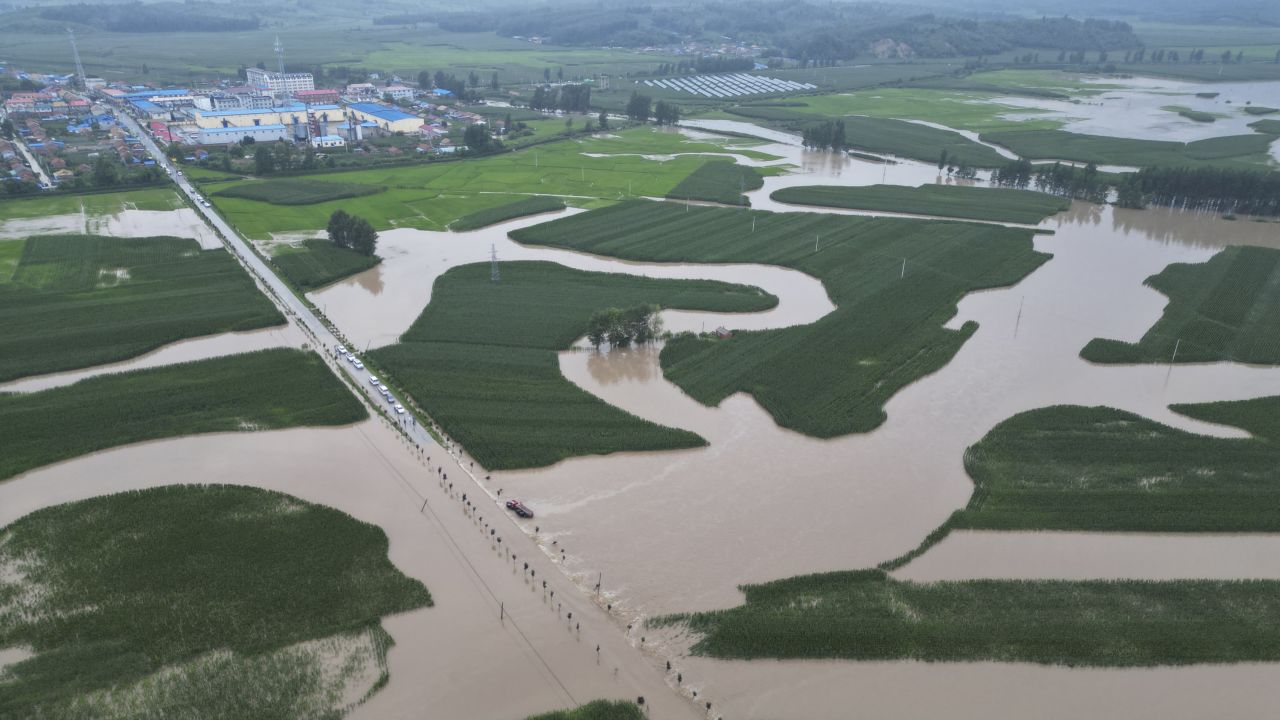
<point>1057,179</point>
<point>352,232</point>
<point>280,157</point>
<point>620,328</point>
<point>569,98</point>
<point>826,135</point>
<point>1250,192</point>
<point>641,108</point>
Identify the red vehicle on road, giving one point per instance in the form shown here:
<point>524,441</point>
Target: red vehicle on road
<point>519,508</point>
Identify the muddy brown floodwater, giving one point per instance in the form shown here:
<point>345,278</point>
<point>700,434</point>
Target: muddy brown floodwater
<point>182,222</point>
<point>182,351</point>
<point>458,659</point>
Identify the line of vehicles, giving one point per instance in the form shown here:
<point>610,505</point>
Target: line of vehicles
<point>514,506</point>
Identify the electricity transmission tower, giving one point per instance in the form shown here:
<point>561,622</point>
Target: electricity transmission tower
<point>75,52</point>
<point>494,275</point>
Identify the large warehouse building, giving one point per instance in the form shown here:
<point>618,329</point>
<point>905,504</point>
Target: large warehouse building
<point>387,119</point>
<point>219,127</point>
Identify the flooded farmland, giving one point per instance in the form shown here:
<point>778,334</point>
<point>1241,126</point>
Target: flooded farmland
<point>128,222</point>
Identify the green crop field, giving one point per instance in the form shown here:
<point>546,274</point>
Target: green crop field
<point>1101,469</point>
<point>319,262</point>
<point>974,203</point>
<point>1270,127</point>
<point>1260,110</point>
<point>1235,151</point>
<point>210,601</point>
<point>959,108</point>
<point>432,196</point>
<point>1226,309</point>
<point>263,390</point>
<point>295,191</point>
<point>891,136</point>
<point>481,359</point>
<point>92,204</point>
<point>531,205</point>
<point>867,615</point>
<point>1194,115</point>
<point>81,300</point>
<point>719,182</point>
<point>597,710</point>
<point>831,377</point>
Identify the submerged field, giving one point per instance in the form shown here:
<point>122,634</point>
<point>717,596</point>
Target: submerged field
<point>867,615</point>
<point>264,390</point>
<point>959,201</point>
<point>1101,469</point>
<point>80,300</point>
<point>481,359</point>
<point>895,283</point>
<point>432,196</point>
<point>218,600</point>
<point>91,204</point>
<point>319,262</point>
<point>1226,309</point>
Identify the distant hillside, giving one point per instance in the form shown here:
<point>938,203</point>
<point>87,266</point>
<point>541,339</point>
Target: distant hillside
<point>820,32</point>
<point>150,17</point>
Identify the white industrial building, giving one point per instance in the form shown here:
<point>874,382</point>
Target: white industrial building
<point>278,83</point>
<point>233,134</point>
<point>328,141</point>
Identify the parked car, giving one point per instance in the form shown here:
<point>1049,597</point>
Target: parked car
<point>373,380</point>
<point>342,349</point>
<point>358,365</point>
<point>399,409</point>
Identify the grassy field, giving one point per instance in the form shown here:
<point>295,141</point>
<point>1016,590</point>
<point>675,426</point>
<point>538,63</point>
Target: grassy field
<point>1236,151</point>
<point>263,390</point>
<point>974,203</point>
<point>45,204</point>
<point>432,196</point>
<point>481,359</point>
<point>81,300</point>
<point>721,182</point>
<point>597,710</point>
<point>867,615</point>
<point>1225,309</point>
<point>215,599</point>
<point>319,262</point>
<point>891,136</point>
<point>531,205</point>
<point>1101,469</point>
<point>831,377</point>
<point>958,108</point>
<point>294,191</point>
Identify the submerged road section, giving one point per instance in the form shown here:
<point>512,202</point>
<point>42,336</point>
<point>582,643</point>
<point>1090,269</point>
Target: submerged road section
<point>606,662</point>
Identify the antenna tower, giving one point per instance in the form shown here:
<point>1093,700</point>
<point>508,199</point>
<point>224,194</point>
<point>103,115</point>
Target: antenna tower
<point>75,52</point>
<point>279,48</point>
<point>494,275</point>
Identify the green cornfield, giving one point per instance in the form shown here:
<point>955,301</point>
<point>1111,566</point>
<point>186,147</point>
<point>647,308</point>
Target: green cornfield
<point>194,598</point>
<point>868,615</point>
<point>263,390</point>
<point>481,359</point>
<point>298,191</point>
<point>721,182</point>
<point>80,300</point>
<point>1101,469</point>
<point>319,262</point>
<point>1226,309</point>
<point>895,282</point>
<point>958,201</point>
<point>531,205</point>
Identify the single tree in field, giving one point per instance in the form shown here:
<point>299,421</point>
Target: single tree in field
<point>942,159</point>
<point>364,239</point>
<point>546,74</point>
<point>340,228</point>
<point>264,161</point>
<point>604,117</point>
<point>493,81</point>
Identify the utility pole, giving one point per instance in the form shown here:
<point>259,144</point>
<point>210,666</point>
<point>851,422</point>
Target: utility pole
<point>494,274</point>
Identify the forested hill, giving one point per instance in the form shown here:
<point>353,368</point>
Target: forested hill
<point>151,17</point>
<point>829,31</point>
